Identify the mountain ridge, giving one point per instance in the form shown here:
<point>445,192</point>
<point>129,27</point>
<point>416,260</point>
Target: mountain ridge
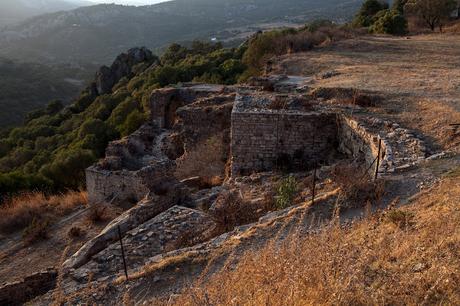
<point>13,11</point>
<point>98,33</point>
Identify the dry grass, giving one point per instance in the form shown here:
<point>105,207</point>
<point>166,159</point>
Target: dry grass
<point>418,77</point>
<point>20,212</point>
<point>206,160</point>
<point>356,187</point>
<point>372,262</point>
<point>97,214</point>
<point>231,210</point>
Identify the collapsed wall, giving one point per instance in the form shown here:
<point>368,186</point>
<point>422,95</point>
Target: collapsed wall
<point>145,161</point>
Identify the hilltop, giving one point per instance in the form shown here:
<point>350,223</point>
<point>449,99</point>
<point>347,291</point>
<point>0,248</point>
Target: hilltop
<point>104,31</point>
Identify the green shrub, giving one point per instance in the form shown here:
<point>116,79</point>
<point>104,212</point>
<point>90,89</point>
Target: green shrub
<point>132,123</point>
<point>366,15</point>
<point>68,168</point>
<point>286,193</point>
<point>389,22</point>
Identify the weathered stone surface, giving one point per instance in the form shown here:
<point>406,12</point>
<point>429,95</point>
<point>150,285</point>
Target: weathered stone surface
<point>147,209</point>
<point>175,228</point>
<point>263,137</point>
<point>164,102</point>
<point>28,288</point>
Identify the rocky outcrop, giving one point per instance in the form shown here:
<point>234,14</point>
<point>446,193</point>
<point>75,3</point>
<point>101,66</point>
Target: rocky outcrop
<point>176,228</point>
<point>145,210</point>
<point>123,66</point>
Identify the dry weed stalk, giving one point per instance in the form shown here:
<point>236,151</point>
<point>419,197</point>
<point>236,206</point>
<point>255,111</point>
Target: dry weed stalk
<point>20,211</point>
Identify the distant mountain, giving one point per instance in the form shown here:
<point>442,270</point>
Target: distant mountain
<point>13,11</point>
<point>98,33</point>
<point>25,87</point>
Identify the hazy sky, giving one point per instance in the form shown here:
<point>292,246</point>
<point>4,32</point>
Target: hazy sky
<point>132,2</point>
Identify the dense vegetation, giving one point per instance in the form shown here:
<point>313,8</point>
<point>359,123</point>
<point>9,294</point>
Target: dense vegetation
<point>27,86</point>
<point>379,18</point>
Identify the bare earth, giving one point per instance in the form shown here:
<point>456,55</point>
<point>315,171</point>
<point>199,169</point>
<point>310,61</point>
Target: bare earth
<point>418,76</point>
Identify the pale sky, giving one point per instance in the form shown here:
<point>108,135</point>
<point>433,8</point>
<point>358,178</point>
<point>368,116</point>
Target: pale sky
<point>131,2</point>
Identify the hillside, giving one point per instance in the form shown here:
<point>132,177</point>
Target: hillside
<point>26,87</point>
<point>14,11</point>
<point>97,34</point>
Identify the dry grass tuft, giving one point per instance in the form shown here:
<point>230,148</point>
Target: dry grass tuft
<point>97,214</point>
<point>370,263</point>
<point>356,189</point>
<point>75,232</point>
<point>37,230</point>
<point>20,212</point>
<point>401,218</point>
<point>206,160</point>
<point>231,210</point>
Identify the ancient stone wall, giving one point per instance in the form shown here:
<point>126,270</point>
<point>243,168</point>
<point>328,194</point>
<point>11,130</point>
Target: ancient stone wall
<point>26,289</point>
<point>165,102</point>
<point>106,186</point>
<point>264,139</point>
<point>357,142</point>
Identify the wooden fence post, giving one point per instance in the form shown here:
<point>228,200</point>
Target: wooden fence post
<point>122,252</point>
<point>378,160</point>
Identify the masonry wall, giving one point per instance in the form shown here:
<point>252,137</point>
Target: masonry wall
<point>120,187</point>
<point>20,292</point>
<point>263,140</point>
<point>357,142</point>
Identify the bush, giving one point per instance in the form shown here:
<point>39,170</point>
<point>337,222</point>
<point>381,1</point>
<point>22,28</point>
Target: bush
<point>97,214</point>
<point>37,230</point>
<point>287,191</point>
<point>389,22</point>
<point>19,211</point>
<point>401,218</point>
<point>367,13</point>
<point>231,210</point>
<point>356,190</point>
<point>69,162</point>
<point>133,122</point>
<point>75,232</point>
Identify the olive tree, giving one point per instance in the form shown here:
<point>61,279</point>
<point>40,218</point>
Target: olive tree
<point>432,12</point>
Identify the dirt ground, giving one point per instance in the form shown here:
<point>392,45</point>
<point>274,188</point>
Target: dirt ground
<point>18,260</point>
<point>418,76</point>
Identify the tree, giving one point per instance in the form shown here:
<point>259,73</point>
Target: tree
<point>398,5</point>
<point>433,12</point>
<point>366,14</point>
<point>389,22</point>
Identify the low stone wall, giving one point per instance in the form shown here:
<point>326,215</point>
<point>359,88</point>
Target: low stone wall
<point>263,139</point>
<point>22,291</point>
<point>106,186</point>
<point>358,142</point>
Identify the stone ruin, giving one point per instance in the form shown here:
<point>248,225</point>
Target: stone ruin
<point>283,128</point>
